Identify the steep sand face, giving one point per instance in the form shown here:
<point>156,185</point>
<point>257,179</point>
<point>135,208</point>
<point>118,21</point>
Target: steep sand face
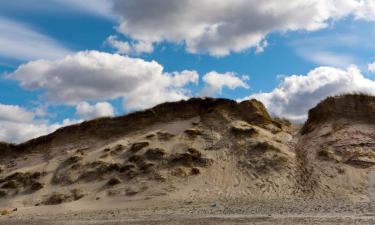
<point>200,150</point>
<point>337,147</point>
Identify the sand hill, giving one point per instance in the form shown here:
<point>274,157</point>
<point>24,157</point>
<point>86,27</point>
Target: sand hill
<point>337,145</point>
<point>195,152</point>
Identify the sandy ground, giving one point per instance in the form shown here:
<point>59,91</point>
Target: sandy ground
<point>233,219</point>
<point>202,213</point>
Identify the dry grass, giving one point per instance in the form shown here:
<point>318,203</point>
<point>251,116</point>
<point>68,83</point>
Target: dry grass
<point>354,106</point>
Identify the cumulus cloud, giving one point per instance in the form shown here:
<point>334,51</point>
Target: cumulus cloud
<point>124,47</point>
<point>215,82</point>
<point>100,109</point>
<point>98,76</point>
<point>365,10</point>
<point>18,124</point>
<point>220,27</point>
<point>371,67</point>
<point>296,94</point>
<point>14,113</point>
<point>19,41</point>
<point>170,87</point>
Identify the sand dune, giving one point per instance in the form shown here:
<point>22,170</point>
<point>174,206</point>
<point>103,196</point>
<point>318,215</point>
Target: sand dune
<point>210,158</point>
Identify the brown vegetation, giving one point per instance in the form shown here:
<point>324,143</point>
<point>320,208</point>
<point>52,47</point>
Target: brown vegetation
<point>357,107</point>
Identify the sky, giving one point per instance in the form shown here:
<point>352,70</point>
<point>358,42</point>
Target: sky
<point>66,61</point>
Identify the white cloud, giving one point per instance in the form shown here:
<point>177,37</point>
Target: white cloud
<point>142,47</point>
<point>215,82</point>
<point>98,76</point>
<point>18,124</point>
<point>100,109</point>
<point>371,67</point>
<point>261,46</point>
<point>365,10</point>
<point>19,41</point>
<point>169,87</point>
<point>124,47</point>
<point>220,27</point>
<point>297,94</point>
<point>15,113</point>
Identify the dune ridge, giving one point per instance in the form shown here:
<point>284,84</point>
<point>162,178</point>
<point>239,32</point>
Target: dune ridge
<point>194,152</point>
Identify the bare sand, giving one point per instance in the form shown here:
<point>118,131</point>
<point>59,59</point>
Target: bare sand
<point>151,212</point>
<point>220,217</point>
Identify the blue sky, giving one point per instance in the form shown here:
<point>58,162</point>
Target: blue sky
<point>62,62</point>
